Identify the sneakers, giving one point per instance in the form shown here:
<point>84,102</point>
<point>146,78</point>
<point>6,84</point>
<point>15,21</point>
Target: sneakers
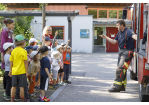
<point>63,83</point>
<point>17,98</point>
<point>68,82</point>
<point>7,97</point>
<point>55,86</point>
<point>45,99</point>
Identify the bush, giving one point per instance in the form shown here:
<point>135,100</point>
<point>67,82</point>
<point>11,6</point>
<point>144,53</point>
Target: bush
<point>22,26</point>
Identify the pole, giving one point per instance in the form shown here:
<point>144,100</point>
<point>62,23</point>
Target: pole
<point>43,15</point>
<point>70,37</point>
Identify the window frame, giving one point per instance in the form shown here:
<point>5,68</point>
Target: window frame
<point>107,12</point>
<point>63,31</point>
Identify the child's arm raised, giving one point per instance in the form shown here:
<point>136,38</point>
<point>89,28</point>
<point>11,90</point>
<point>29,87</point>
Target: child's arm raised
<point>66,45</point>
<point>54,39</point>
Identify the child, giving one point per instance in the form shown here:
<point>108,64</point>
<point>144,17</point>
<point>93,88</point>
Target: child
<point>55,66</point>
<point>66,61</point>
<point>60,71</point>
<point>18,67</point>
<point>47,43</point>
<point>29,49</point>
<point>8,47</point>
<point>44,72</point>
<point>33,70</point>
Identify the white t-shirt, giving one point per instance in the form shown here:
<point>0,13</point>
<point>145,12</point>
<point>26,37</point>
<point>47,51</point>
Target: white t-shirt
<point>55,65</point>
<point>7,62</point>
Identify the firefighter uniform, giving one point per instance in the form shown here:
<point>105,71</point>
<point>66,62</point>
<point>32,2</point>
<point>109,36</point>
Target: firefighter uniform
<point>126,45</point>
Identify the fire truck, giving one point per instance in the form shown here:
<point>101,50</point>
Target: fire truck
<point>139,67</point>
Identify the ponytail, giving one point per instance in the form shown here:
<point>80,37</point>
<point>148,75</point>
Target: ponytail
<point>8,21</point>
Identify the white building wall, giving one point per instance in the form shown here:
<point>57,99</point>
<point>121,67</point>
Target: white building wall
<point>84,45</point>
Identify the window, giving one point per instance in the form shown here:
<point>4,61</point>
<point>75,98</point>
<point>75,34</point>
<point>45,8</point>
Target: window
<point>92,12</point>
<point>102,13</point>
<point>112,13</point>
<point>120,13</point>
<point>60,30</point>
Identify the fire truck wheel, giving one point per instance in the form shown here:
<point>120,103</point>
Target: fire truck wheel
<point>142,90</point>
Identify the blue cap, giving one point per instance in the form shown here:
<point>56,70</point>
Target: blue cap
<point>48,39</point>
<point>35,47</point>
<point>29,47</point>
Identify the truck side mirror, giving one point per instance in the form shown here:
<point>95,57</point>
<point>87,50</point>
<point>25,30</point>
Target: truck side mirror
<point>124,13</point>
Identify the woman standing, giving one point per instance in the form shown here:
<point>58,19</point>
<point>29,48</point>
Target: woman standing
<point>47,31</point>
<point>6,36</point>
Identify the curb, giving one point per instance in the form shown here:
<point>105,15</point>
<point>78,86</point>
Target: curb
<point>58,91</point>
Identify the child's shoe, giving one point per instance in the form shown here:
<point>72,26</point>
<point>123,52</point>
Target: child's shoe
<point>45,99</point>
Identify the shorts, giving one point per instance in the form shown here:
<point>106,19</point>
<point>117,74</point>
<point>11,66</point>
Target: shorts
<point>55,74</point>
<point>19,80</point>
<point>44,83</point>
<point>60,70</point>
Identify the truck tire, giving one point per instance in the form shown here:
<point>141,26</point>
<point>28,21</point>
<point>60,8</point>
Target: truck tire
<point>142,90</point>
<point>133,75</point>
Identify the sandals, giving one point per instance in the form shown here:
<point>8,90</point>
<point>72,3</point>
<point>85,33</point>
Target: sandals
<point>33,95</point>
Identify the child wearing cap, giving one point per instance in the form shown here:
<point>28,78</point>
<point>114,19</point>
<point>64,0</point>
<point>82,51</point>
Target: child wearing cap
<point>66,61</point>
<point>18,67</point>
<point>32,42</point>
<point>33,69</point>
<point>60,71</point>
<point>8,47</point>
<point>44,73</point>
<point>55,66</point>
<point>47,43</point>
<point>29,49</point>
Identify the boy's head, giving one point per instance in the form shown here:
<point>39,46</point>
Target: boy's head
<point>34,56</point>
<point>8,47</point>
<point>56,43</point>
<point>62,44</point>
<point>68,49</point>
<point>20,41</point>
<point>56,55</point>
<point>44,50</point>
<point>32,41</point>
<point>59,48</point>
<point>47,41</point>
<point>29,49</point>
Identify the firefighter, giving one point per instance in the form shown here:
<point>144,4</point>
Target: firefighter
<point>125,39</point>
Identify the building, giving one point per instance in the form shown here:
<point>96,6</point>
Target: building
<point>94,19</point>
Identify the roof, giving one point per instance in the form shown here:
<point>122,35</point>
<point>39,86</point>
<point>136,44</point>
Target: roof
<point>36,5</point>
<point>108,21</point>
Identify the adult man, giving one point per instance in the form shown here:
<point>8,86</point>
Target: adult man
<point>125,39</point>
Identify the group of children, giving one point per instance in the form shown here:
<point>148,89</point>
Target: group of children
<point>23,65</point>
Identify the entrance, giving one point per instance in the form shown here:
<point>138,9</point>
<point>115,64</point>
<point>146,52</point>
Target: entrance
<point>111,32</point>
<point>99,43</point>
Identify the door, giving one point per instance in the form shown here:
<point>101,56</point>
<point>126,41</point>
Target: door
<point>111,32</point>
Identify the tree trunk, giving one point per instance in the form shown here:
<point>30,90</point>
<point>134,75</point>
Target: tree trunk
<point>43,15</point>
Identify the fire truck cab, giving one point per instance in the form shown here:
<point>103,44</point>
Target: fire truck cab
<point>139,67</point>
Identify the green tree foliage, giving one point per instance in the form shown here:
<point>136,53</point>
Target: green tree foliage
<point>92,12</point>
<point>112,13</point>
<point>120,13</point>
<point>102,13</point>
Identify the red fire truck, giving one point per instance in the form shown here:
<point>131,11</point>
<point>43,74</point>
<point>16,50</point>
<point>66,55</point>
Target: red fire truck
<point>139,68</point>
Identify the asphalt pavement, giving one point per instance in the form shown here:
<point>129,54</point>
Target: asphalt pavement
<point>92,75</point>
